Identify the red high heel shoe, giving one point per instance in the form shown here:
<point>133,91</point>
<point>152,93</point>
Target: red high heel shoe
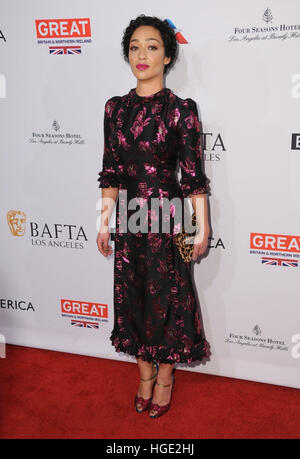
<point>140,400</point>
<point>161,409</point>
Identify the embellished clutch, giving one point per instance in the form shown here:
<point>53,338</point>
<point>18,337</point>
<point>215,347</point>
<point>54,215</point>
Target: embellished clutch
<point>184,241</point>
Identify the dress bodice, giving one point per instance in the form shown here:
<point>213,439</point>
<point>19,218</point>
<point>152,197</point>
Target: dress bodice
<point>145,137</point>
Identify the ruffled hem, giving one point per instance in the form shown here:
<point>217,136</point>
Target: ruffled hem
<point>162,354</point>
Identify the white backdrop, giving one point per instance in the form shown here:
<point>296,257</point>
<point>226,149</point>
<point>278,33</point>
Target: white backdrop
<point>241,66</point>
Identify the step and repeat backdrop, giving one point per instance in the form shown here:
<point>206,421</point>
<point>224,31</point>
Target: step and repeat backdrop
<point>59,63</point>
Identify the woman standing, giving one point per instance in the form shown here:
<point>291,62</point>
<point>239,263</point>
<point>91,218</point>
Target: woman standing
<point>147,132</point>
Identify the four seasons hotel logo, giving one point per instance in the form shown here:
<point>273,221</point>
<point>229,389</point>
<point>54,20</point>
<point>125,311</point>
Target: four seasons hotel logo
<point>266,27</point>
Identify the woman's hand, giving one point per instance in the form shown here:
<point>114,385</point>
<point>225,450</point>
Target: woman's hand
<point>199,203</point>
<point>102,243</point>
<point>200,243</point>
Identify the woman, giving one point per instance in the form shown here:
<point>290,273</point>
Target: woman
<point>147,132</point>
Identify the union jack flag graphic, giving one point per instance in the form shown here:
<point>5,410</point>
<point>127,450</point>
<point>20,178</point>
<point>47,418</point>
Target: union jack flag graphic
<point>65,49</point>
<point>279,262</point>
<point>83,324</point>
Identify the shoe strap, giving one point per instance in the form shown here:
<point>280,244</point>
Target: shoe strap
<point>164,385</point>
<point>149,379</point>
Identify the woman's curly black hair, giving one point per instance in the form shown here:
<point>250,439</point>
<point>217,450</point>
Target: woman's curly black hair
<point>166,32</point>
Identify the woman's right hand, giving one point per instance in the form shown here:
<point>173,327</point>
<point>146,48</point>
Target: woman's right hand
<point>102,243</point>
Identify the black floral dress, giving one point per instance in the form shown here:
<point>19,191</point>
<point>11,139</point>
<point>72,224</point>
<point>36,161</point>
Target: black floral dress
<point>145,138</point>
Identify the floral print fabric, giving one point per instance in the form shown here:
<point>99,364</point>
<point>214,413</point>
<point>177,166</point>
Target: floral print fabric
<point>155,309</point>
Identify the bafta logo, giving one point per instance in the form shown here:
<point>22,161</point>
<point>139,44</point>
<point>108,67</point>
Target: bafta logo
<point>16,220</point>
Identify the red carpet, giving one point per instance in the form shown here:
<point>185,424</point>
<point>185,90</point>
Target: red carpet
<point>46,394</point>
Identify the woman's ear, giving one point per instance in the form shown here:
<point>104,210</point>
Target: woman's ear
<point>167,60</point>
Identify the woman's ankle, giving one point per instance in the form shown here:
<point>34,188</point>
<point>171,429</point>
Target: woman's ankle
<point>146,369</point>
<point>165,374</point>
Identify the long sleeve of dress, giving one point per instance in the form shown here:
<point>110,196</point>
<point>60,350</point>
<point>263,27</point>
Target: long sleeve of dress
<point>193,179</point>
<point>109,175</point>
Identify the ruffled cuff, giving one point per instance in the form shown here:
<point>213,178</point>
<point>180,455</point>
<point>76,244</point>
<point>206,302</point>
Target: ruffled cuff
<point>194,186</point>
<point>108,177</point>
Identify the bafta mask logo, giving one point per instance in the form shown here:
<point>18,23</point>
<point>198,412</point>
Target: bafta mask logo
<point>16,220</point>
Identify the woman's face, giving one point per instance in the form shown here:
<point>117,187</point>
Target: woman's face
<point>147,48</point>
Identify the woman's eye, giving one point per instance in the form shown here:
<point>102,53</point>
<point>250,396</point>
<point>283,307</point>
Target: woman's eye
<point>133,48</point>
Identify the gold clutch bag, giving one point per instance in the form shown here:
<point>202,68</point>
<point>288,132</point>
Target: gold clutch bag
<point>185,241</point>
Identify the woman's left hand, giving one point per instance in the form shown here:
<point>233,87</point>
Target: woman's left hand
<point>200,244</point>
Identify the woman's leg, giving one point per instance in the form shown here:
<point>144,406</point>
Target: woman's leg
<point>146,371</point>
<point>162,395</point>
